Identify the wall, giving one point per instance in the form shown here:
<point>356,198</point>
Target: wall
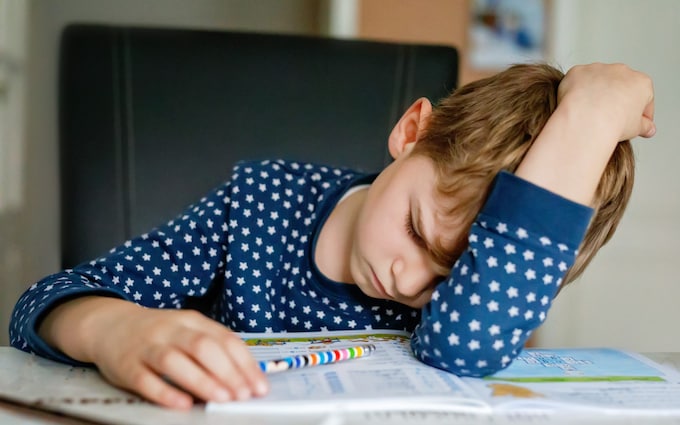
<point>13,63</point>
<point>36,227</point>
<point>437,22</point>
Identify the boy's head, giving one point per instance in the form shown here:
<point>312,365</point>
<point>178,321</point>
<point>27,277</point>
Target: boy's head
<point>488,126</point>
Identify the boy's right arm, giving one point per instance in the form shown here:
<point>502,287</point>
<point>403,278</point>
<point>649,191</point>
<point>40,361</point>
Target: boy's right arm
<point>123,312</point>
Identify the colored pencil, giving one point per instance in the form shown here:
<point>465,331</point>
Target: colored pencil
<point>316,359</point>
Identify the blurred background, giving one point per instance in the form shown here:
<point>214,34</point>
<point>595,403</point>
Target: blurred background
<point>629,296</point>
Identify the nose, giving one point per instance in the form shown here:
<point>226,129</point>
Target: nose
<point>411,276</point>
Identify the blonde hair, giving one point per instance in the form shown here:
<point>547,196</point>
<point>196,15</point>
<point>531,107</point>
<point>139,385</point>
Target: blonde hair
<point>488,126</point>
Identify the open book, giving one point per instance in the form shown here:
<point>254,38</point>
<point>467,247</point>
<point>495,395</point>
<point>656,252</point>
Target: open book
<point>392,379</point>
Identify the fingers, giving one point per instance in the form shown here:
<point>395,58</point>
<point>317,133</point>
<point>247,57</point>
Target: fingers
<point>213,364</point>
<point>649,108</point>
<point>197,366</point>
<point>647,128</point>
<point>216,373</point>
<point>188,374</point>
<point>148,384</point>
<point>246,363</point>
<point>242,359</point>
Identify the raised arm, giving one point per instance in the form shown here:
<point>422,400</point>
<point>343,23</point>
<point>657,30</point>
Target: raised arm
<point>526,236</point>
<point>600,105</point>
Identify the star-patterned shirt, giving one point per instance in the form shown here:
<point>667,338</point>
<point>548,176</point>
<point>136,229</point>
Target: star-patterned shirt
<point>249,246</point>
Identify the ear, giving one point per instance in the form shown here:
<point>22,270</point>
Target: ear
<point>410,127</point>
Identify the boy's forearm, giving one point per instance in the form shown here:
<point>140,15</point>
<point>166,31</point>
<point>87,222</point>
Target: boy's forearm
<point>502,286</point>
<point>570,154</point>
<point>75,325</point>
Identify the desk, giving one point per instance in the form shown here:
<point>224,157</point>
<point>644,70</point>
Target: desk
<point>52,393</point>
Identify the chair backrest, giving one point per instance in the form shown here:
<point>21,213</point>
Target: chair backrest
<point>151,119</point>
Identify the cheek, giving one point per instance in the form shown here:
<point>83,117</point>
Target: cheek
<point>370,224</point>
<point>380,231</point>
<point>368,233</point>
<point>380,224</point>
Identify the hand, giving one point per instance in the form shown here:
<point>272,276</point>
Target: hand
<point>166,356</point>
<point>613,94</point>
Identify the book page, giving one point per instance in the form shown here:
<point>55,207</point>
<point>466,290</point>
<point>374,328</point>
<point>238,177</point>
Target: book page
<point>391,378</point>
<point>583,379</point>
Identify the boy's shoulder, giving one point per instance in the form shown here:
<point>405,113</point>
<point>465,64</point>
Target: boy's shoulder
<point>281,171</point>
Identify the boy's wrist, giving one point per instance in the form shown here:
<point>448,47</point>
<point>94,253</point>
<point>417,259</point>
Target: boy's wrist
<point>571,152</point>
<point>75,326</point>
<point>587,121</point>
<point>101,315</point>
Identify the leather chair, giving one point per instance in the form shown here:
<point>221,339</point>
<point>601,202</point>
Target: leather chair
<point>151,119</point>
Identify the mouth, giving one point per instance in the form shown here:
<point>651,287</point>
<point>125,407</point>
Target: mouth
<point>378,285</point>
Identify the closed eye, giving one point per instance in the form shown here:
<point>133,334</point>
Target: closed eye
<point>411,231</point>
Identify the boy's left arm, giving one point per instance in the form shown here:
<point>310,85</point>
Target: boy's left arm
<point>500,289</point>
<point>527,233</point>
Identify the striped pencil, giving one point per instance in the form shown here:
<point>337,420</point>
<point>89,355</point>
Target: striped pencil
<point>315,359</point>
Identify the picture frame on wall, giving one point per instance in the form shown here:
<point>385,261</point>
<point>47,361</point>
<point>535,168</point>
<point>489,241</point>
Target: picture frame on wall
<point>506,32</point>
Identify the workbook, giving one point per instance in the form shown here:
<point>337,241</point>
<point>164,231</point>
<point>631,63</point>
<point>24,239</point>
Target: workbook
<point>392,379</point>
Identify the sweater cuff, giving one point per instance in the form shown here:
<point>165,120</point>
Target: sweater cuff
<point>37,344</point>
<point>515,200</point>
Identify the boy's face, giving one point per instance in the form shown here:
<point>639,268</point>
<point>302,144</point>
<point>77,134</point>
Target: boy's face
<point>397,222</point>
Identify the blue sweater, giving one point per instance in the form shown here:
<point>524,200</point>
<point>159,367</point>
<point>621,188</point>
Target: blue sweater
<point>251,243</point>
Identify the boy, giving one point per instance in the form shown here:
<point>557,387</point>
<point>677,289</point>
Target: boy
<point>284,246</point>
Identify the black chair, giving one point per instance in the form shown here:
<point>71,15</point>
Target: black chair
<point>151,119</point>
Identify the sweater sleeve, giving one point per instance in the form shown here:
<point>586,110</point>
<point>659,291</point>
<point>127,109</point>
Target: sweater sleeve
<point>500,289</point>
<point>160,269</point>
